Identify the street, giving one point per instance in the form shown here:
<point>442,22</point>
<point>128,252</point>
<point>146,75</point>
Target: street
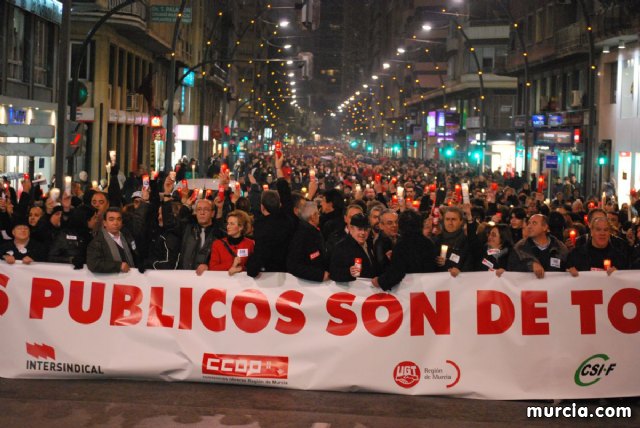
<point>126,403</point>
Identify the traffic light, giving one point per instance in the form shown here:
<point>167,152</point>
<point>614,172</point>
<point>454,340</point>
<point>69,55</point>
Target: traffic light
<point>354,143</point>
<point>75,133</point>
<point>602,159</point>
<point>81,94</point>
<point>449,152</point>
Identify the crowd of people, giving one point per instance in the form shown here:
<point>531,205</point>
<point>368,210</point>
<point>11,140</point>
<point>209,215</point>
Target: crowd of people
<point>321,214</point>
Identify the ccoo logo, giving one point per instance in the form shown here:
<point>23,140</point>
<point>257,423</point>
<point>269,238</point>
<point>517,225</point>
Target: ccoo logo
<point>406,374</point>
<point>4,298</point>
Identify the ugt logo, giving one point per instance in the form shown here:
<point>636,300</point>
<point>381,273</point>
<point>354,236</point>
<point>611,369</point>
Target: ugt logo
<point>4,298</point>
<point>593,369</point>
<point>406,374</point>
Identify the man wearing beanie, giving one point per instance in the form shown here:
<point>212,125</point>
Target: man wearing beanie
<point>352,258</point>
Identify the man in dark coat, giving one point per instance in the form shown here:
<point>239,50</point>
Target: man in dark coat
<point>198,236</point>
<point>414,252</point>
<point>541,252</point>
<point>21,247</point>
<point>306,257</point>
<point>112,250</point>
<point>272,234</point>
<point>352,257</point>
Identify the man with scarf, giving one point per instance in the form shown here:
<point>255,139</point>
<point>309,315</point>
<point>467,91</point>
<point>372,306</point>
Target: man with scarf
<point>112,250</point>
<point>453,245</point>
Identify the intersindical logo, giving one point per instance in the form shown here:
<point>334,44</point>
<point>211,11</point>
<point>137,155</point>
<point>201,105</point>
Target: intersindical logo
<point>593,369</point>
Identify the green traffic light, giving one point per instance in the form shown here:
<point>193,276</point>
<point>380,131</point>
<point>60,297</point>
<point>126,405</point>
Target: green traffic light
<point>448,152</point>
<point>81,94</point>
<point>602,160</point>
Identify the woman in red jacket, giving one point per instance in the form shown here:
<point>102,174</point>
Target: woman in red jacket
<point>231,253</point>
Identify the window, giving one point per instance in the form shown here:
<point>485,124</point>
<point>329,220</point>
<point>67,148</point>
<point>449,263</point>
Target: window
<point>548,23</point>
<point>112,64</point>
<point>16,46</point>
<point>613,82</point>
<point>626,87</point>
<point>84,64</point>
<point>43,53</point>
<point>539,25</point>
<point>530,29</point>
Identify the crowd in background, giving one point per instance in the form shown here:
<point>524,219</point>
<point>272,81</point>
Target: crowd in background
<point>321,213</point>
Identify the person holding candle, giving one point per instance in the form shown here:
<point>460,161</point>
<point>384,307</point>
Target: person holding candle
<point>597,252</point>
<point>458,257</point>
<point>232,252</point>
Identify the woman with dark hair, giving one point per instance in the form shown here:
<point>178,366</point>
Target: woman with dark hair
<point>414,253</point>
<point>496,251</point>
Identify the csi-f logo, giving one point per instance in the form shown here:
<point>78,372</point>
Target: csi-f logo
<point>593,369</point>
<point>4,298</point>
<point>406,374</point>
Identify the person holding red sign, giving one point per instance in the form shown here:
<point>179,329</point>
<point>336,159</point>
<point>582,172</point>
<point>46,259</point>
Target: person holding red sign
<point>352,257</point>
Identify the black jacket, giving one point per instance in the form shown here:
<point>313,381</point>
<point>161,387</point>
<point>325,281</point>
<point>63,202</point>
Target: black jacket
<point>412,254</point>
<point>460,253</point>
<point>70,246</point>
<point>585,256</point>
<point>272,235</point>
<point>34,249</point>
<point>382,245</point>
<point>306,256</point>
<point>343,258</point>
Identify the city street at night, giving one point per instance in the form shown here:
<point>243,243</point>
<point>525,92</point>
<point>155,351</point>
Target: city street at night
<point>319,213</point>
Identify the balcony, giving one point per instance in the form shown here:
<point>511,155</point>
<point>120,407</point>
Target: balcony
<point>571,39</point>
<point>132,22</point>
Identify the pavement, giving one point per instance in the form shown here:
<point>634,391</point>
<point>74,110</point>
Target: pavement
<point>128,403</point>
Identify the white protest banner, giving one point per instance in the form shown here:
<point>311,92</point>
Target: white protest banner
<point>479,336</point>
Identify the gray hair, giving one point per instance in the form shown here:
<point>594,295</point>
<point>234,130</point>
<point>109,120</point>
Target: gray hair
<point>308,210</point>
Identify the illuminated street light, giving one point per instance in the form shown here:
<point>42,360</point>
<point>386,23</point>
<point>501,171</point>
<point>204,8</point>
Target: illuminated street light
<point>386,65</point>
<point>287,46</point>
<point>284,23</point>
<point>427,27</point>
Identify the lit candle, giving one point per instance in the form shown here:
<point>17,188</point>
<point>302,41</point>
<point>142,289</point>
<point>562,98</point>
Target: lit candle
<point>94,184</point>
<point>465,193</point>
<point>193,171</point>
<point>265,187</point>
<point>400,191</point>
<point>67,185</point>
<point>200,193</point>
<point>358,188</point>
<point>607,264</point>
<point>604,199</point>
<point>54,193</point>
<point>145,181</point>
<point>303,190</point>
<point>572,236</point>
<point>443,251</point>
